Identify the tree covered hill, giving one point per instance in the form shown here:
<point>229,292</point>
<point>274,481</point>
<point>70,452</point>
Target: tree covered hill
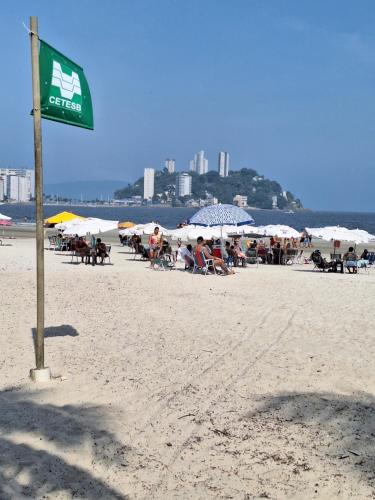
<point>246,182</point>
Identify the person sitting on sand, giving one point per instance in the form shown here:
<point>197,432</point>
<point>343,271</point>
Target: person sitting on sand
<point>350,258</point>
<point>239,254</point>
<point>101,250</point>
<point>364,255</point>
<point>187,256</point>
<point>278,254</point>
<point>202,249</point>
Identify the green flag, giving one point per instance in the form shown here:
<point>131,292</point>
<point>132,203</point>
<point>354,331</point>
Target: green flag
<point>64,91</point>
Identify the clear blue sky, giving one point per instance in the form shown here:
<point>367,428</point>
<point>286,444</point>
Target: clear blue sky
<point>285,87</point>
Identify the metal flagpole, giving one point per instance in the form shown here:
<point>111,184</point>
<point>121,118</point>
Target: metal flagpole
<point>40,373</point>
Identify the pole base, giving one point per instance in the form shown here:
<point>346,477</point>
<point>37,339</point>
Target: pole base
<point>41,375</point>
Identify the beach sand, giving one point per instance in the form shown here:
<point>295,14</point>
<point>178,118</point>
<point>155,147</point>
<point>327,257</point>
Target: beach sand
<point>170,385</point>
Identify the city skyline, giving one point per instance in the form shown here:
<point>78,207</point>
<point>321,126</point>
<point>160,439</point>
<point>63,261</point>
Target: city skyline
<point>17,184</point>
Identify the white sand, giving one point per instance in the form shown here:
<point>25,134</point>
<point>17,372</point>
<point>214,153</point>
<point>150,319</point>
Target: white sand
<point>183,386</point>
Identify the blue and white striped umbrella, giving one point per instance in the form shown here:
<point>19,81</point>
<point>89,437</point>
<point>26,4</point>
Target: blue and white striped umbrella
<point>219,215</point>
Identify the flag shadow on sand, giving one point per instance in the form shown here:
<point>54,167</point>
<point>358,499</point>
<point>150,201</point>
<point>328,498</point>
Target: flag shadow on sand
<point>56,331</point>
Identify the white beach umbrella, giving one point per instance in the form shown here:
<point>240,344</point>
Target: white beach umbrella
<point>246,229</point>
<point>278,230</point>
<point>206,232</point>
<point>137,229</point>
<point>192,232</point>
<point>91,226</point>
<point>5,217</point>
<point>365,236</point>
<point>339,233</point>
<point>181,233</point>
<point>70,223</point>
<point>149,229</point>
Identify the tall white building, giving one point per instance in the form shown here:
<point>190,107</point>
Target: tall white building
<point>223,164</point>
<point>2,190</point>
<point>170,165</point>
<point>18,184</point>
<point>149,182</point>
<point>199,164</point>
<point>184,184</point>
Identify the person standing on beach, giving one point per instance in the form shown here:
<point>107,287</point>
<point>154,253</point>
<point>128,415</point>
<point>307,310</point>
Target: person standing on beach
<point>155,240</point>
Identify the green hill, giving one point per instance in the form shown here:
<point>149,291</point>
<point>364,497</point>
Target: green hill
<point>246,182</point>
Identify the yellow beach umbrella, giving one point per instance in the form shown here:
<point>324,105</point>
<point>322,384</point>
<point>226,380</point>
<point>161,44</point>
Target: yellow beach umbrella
<point>125,225</point>
<point>61,217</point>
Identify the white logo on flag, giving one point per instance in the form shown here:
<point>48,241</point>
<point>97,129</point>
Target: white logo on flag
<point>68,85</point>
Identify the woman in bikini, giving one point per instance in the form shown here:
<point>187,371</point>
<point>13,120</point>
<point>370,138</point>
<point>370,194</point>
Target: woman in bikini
<point>155,240</point>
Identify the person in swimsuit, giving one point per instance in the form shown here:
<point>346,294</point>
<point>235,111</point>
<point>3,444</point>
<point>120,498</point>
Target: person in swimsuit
<point>201,248</point>
<point>155,240</point>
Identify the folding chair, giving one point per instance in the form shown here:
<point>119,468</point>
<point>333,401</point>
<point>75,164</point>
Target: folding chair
<point>203,264</point>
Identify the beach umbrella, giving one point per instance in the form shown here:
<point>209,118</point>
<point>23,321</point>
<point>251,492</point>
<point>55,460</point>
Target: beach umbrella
<point>278,230</point>
<point>220,215</point>
<point>149,228</point>
<point>243,230</point>
<point>74,222</point>
<point>5,220</point>
<point>365,236</point>
<point>192,232</point>
<point>338,233</point>
<point>137,229</point>
<point>61,217</point>
<point>141,229</point>
<point>91,226</point>
<point>125,225</point>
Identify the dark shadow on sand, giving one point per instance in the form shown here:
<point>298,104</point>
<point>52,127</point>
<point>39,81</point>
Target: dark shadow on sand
<point>341,428</point>
<point>68,428</point>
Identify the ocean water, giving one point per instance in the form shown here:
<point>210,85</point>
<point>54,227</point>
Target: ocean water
<point>170,217</point>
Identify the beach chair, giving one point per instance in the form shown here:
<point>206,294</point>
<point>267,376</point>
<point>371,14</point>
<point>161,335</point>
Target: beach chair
<point>252,256</point>
<point>75,254</point>
<point>371,258</point>
<point>290,257</point>
<point>336,256</point>
<point>262,254</point>
<point>320,264</point>
<point>52,242</point>
<point>61,245</point>
<point>201,264</point>
<point>108,253</point>
<point>165,262</point>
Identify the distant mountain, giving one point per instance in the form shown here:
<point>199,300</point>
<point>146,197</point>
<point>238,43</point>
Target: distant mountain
<point>90,190</point>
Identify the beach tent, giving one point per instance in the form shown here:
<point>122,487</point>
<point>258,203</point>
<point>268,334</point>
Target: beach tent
<point>278,230</point>
<point>91,226</point>
<point>61,217</point>
<point>125,225</point>
<point>5,220</point>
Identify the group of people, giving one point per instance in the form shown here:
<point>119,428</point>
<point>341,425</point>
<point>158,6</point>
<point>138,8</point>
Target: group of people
<point>350,261</point>
<point>89,253</point>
